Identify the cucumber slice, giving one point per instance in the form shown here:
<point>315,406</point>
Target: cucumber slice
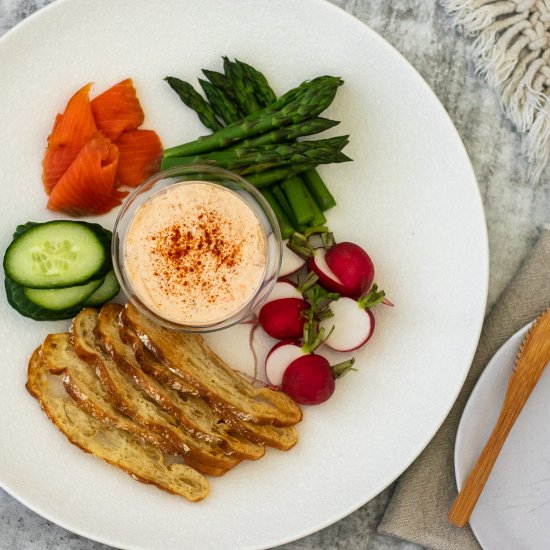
<point>61,299</point>
<point>58,254</point>
<point>107,291</point>
<point>18,300</point>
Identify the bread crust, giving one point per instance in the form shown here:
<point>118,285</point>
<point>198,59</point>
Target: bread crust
<point>177,479</point>
<point>189,357</point>
<point>207,459</point>
<point>191,412</point>
<point>281,438</point>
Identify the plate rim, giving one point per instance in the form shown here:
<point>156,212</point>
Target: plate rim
<point>483,271</point>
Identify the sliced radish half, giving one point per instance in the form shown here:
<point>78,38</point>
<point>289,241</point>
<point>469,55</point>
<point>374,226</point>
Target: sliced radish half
<point>327,278</point>
<point>353,325</point>
<point>279,358</point>
<point>291,262</point>
<point>284,289</point>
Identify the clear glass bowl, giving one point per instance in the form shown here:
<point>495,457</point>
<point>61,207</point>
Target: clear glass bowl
<point>216,176</point>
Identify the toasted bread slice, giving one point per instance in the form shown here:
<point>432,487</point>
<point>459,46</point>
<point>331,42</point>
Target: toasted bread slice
<point>58,356</point>
<point>205,458</point>
<point>192,412</point>
<point>119,448</point>
<point>282,438</point>
<point>190,357</point>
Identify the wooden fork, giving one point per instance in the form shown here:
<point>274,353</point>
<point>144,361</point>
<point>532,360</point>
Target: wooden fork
<point>532,358</point>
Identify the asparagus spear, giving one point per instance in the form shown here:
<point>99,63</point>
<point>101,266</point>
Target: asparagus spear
<point>284,223</point>
<point>289,133</point>
<point>316,186</point>
<point>195,101</point>
<point>319,196</point>
<point>262,90</point>
<point>318,216</point>
<point>306,101</point>
<point>279,194</point>
<point>221,103</point>
<point>255,159</point>
<point>295,191</point>
<point>242,88</point>
<point>262,179</point>
<point>220,81</point>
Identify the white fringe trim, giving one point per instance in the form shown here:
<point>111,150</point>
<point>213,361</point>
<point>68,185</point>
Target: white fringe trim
<point>511,51</point>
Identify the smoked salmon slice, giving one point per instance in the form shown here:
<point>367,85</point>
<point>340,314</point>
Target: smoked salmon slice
<point>117,109</point>
<point>88,185</point>
<point>71,131</point>
<point>140,155</point>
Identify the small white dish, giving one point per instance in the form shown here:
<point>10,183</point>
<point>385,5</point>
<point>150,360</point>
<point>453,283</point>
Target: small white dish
<point>513,512</point>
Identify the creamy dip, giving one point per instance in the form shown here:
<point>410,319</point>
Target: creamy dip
<point>195,253</point>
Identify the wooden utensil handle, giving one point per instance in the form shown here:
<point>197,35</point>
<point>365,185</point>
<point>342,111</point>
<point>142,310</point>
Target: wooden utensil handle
<point>465,502</point>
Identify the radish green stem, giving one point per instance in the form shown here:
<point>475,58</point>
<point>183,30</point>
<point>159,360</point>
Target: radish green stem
<point>299,244</point>
<point>340,369</point>
<point>372,298</point>
<point>323,231</point>
<point>313,337</point>
<point>309,281</point>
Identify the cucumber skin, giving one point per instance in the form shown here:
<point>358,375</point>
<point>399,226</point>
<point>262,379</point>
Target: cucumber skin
<point>103,235</point>
<point>25,307</point>
<point>94,302</point>
<point>27,292</point>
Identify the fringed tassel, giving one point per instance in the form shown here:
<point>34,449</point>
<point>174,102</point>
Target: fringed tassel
<point>512,52</point>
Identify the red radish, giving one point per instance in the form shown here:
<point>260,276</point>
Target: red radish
<point>283,318</point>
<point>344,267</point>
<point>291,262</point>
<point>327,278</point>
<point>352,322</point>
<point>309,380</point>
<point>280,356</point>
<point>284,289</point>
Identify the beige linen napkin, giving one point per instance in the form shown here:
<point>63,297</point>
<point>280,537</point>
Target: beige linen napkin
<point>423,496</point>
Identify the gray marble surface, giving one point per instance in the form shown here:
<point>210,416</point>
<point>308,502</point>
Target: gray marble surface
<point>515,211</point>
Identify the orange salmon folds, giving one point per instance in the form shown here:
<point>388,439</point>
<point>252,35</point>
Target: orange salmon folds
<point>71,131</point>
<point>88,186</point>
<point>117,109</point>
<point>94,147</point>
<point>140,155</point>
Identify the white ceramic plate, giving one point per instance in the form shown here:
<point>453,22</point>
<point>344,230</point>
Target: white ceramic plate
<point>513,510</point>
<point>410,197</point>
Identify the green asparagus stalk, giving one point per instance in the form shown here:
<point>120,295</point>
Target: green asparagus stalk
<point>295,191</point>
<point>318,216</point>
<point>262,90</point>
<point>314,183</point>
<point>221,103</point>
<point>195,101</point>
<point>284,223</point>
<point>289,133</point>
<point>257,159</point>
<point>263,179</point>
<point>316,186</point>
<point>279,194</point>
<point>220,81</point>
<point>242,88</point>
<point>310,100</point>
